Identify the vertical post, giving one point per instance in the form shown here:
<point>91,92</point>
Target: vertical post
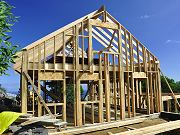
<point>121,75</point>
<point>168,105</point>
<point>64,81</point>
<point>90,50</point>
<point>33,108</point>
<point>147,96</point>
<point>114,87</point>
<point>82,31</point>
<point>140,95</point>
<point>132,78</point>
<point>137,94</point>
<point>139,66</point>
<point>100,90</point>
<point>39,85</point>
<point>127,76</point>
<point>54,53</point>
<point>64,98</point>
<point>175,106</point>
<point>44,96</point>
<point>92,105</point>
<point>150,84</point>
<point>44,56</point>
<point>84,113</point>
<point>107,88</point>
<point>24,83</point>
<point>77,85</point>
<point>159,88</point>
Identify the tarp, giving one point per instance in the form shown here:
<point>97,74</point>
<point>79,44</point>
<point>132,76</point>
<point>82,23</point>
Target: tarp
<point>6,119</point>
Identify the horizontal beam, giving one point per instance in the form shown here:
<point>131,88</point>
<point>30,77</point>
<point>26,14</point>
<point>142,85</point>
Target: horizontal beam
<point>107,25</point>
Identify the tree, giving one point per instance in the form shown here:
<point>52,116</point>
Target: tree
<point>7,50</point>
<point>2,92</point>
<point>173,84</point>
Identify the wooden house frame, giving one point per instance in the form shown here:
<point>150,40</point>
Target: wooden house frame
<point>122,75</point>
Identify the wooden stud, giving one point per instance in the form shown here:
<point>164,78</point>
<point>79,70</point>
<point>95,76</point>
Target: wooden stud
<point>127,77</point>
<point>90,50</point>
<point>132,78</point>
<point>107,88</point>
<point>147,96</point>
<point>150,85</point>
<point>114,87</point>
<point>77,85</point>
<point>121,75</point>
<point>39,85</point>
<point>24,82</point>
<point>137,93</point>
<point>100,88</point>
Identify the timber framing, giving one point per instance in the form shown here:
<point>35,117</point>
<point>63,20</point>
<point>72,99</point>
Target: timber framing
<point>100,53</point>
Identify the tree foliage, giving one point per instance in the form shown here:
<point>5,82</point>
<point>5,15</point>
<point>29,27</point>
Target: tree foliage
<point>174,85</point>
<point>7,50</point>
<point>2,89</point>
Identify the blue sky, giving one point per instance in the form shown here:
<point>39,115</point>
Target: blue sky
<point>155,23</point>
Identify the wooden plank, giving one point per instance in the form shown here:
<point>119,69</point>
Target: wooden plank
<point>100,88</point>
<point>23,82</point>
<point>54,53</point>
<point>133,96</point>
<point>165,98</point>
<point>99,127</point>
<point>107,25</point>
<point>132,77</point>
<point>140,93</point>
<point>138,56</point>
<point>39,85</point>
<point>114,87</point>
<point>150,85</point>
<point>89,76</point>
<point>90,49</point>
<point>77,80</point>
<point>64,97</point>
<point>147,96</point>
<point>152,130</point>
<point>82,31</point>
<point>84,113</point>
<point>137,93</point>
<point>127,77</point>
<point>121,76</point>
<point>51,75</point>
<point>107,88</point>
<point>64,49</point>
<point>139,75</point>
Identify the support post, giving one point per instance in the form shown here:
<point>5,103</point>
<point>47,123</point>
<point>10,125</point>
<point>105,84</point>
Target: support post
<point>77,84</point>
<point>100,90</point>
<point>90,50</point>
<point>121,75</point>
<point>24,83</point>
<point>107,88</point>
<point>39,85</point>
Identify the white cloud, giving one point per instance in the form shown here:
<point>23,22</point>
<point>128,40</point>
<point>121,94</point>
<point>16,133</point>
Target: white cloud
<point>145,16</point>
<point>172,41</point>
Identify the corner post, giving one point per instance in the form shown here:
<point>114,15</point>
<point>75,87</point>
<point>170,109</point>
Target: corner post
<point>24,83</point>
